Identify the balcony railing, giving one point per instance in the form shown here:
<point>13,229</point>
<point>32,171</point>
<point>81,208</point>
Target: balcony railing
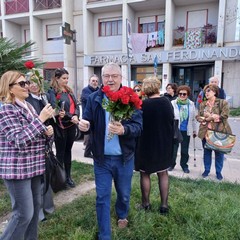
<point>46,4</point>
<point>16,6</point>
<point>204,35</point>
<point>90,1</point>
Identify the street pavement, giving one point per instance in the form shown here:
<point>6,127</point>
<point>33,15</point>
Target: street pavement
<point>231,167</point>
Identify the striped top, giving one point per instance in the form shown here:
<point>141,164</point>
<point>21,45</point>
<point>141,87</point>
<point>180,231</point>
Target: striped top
<point>22,142</point>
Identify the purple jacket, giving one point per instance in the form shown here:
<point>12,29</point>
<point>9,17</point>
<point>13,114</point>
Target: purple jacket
<point>22,143</point>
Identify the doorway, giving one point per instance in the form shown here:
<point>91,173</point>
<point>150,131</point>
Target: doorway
<point>194,76</point>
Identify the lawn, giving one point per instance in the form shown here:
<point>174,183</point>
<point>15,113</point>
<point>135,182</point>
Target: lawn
<point>200,209</point>
<point>80,173</point>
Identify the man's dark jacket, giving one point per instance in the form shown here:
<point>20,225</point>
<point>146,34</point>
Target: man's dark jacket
<point>95,114</point>
<point>85,93</point>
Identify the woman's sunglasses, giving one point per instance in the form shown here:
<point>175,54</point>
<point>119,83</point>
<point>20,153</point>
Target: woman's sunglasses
<point>22,84</point>
<point>182,94</point>
<point>136,90</point>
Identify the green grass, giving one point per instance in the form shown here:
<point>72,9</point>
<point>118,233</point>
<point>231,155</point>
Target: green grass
<point>199,210</point>
<point>234,112</point>
<point>80,173</point>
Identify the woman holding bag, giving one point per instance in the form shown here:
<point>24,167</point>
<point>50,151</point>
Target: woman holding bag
<point>62,98</point>
<point>213,113</point>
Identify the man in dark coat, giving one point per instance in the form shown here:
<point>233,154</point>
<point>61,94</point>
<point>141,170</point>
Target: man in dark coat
<point>92,87</point>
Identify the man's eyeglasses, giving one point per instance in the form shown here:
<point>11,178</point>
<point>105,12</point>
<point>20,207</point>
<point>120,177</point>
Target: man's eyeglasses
<point>182,94</point>
<point>113,76</point>
<point>137,90</point>
<point>22,84</point>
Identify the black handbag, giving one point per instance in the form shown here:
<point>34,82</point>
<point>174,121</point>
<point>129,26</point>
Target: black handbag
<point>55,172</point>
<point>177,138</point>
<point>78,134</point>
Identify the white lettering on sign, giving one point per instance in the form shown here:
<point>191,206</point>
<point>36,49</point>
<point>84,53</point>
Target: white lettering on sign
<point>186,55</point>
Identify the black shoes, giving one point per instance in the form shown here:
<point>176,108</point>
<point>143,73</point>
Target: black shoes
<point>186,170</point>
<point>70,183</point>
<point>205,174</point>
<point>164,210</point>
<point>142,207</point>
<point>219,176</point>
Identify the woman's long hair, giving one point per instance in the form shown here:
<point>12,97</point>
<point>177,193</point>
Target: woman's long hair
<point>54,83</point>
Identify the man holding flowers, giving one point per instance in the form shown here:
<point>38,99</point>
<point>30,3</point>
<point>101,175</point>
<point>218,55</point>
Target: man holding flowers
<point>114,120</point>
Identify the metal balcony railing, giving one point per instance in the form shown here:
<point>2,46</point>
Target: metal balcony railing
<point>206,35</point>
<point>46,4</point>
<point>16,6</point>
<point>91,1</point>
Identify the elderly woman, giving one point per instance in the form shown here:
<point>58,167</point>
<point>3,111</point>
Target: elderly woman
<point>213,113</point>
<point>154,152</point>
<point>184,111</point>
<point>22,153</point>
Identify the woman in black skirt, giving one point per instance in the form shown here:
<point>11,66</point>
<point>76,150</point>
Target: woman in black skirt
<point>154,153</point>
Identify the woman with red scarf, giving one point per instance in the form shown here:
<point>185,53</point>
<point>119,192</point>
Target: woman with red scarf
<point>62,98</point>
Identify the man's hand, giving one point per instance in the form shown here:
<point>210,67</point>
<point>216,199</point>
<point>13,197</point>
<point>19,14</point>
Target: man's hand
<point>75,119</point>
<point>84,125</point>
<point>116,128</point>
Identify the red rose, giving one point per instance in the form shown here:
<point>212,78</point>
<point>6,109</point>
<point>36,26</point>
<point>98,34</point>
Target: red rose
<point>29,64</point>
<point>125,99</point>
<point>58,97</point>
<point>200,100</point>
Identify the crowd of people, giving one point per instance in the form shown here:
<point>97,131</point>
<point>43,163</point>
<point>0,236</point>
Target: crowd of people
<point>30,119</point>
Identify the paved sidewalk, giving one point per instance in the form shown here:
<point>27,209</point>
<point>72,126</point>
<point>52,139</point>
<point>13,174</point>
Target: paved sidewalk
<point>231,168</point>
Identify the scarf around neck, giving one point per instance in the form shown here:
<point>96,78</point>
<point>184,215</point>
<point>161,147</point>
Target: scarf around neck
<point>183,109</point>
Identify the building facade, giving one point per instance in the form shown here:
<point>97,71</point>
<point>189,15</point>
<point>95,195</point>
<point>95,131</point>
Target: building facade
<point>186,40</point>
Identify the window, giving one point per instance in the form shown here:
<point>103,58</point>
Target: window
<point>26,33</point>
<point>110,27</point>
<point>151,24</point>
<point>53,32</point>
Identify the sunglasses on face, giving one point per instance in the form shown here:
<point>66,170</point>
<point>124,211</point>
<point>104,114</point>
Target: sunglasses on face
<point>182,94</point>
<point>136,90</point>
<point>22,84</point>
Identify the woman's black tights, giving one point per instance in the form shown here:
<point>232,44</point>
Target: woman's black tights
<point>163,183</point>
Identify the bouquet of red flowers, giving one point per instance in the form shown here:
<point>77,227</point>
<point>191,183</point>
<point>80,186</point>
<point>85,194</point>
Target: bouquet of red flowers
<point>120,104</point>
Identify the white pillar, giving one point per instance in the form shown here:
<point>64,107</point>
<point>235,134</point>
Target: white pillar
<point>218,70</point>
<point>221,21</point>
<point>166,76</point>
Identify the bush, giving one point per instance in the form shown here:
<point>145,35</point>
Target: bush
<point>234,112</point>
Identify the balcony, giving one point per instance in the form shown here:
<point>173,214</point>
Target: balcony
<point>47,4</point>
<point>16,6</point>
<point>195,36</point>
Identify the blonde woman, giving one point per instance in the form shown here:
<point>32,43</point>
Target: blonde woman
<point>22,153</point>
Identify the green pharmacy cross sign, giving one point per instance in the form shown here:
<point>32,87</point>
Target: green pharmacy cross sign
<point>67,33</point>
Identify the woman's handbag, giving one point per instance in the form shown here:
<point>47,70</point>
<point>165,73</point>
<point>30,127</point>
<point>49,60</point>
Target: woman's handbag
<point>78,134</point>
<point>55,172</point>
<point>219,141</point>
<point>177,138</point>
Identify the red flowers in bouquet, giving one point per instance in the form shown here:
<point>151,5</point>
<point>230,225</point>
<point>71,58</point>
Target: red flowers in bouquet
<point>122,103</point>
